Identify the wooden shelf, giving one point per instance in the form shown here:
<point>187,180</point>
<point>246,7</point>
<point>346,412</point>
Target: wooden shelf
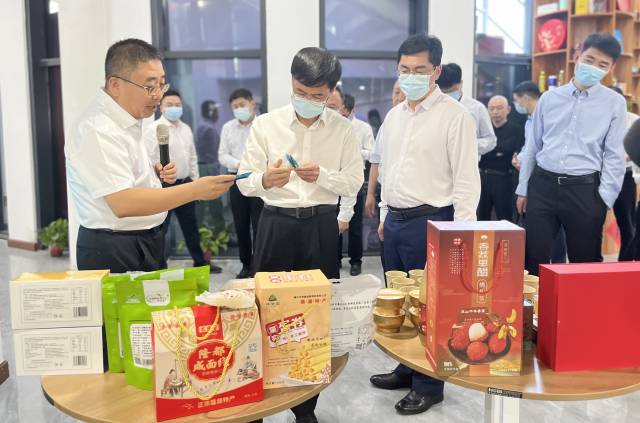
<point>625,54</point>
<point>550,53</point>
<point>593,15</point>
<point>626,15</point>
<point>553,14</point>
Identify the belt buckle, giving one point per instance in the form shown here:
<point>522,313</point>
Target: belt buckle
<point>561,179</point>
<point>304,212</point>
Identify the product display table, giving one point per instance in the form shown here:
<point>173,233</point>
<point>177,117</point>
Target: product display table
<point>107,398</point>
<point>536,382</point>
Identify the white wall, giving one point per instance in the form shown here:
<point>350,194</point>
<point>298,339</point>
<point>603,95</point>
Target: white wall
<point>16,124</point>
<point>291,25</point>
<point>87,29</point>
<point>453,21</point>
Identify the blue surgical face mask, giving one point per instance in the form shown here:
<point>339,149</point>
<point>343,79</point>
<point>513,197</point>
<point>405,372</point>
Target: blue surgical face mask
<point>521,109</point>
<point>588,75</point>
<point>173,113</point>
<point>414,86</point>
<point>456,95</point>
<point>243,114</point>
<point>306,109</point>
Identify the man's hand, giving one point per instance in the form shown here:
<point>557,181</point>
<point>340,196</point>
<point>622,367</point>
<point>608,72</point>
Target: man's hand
<point>276,176</point>
<point>308,172</point>
<point>212,187</point>
<point>342,226</point>
<point>521,205</point>
<point>370,205</point>
<point>168,174</point>
<point>381,231</point>
<point>515,162</point>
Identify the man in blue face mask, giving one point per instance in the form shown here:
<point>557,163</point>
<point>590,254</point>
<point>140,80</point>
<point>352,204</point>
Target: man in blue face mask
<point>302,157</point>
<point>573,166</point>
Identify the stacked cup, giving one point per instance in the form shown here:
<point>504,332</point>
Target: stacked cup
<point>388,314</point>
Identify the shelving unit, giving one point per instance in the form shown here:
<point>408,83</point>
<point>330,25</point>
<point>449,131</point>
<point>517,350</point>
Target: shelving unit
<point>578,28</point>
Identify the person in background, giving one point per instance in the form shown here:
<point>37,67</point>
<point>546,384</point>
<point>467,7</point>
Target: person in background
<point>573,166</point>
<point>115,187</point>
<point>525,98</point>
<point>433,140</point>
<point>182,151</point>
<point>351,209</point>
<point>246,210</point>
<point>375,121</point>
<point>625,206</point>
<point>207,146</point>
<point>298,227</point>
<point>450,82</point>
<point>495,166</point>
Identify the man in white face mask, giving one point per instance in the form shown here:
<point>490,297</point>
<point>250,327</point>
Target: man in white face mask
<point>429,172</point>
<point>573,166</point>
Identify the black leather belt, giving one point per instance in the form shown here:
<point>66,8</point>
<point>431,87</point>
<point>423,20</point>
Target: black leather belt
<point>303,212</point>
<point>495,172</point>
<point>134,233</point>
<point>562,179</point>
<point>412,212</point>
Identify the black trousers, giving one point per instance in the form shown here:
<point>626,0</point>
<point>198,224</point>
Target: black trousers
<point>496,193</point>
<point>120,252</point>
<point>284,243</point>
<point>246,215</point>
<point>188,221</point>
<point>625,212</point>
<point>577,208</point>
<point>355,231</point>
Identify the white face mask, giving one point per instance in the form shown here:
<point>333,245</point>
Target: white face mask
<point>414,86</point>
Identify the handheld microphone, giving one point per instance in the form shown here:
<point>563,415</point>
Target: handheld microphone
<point>162,134</point>
<point>632,142</point>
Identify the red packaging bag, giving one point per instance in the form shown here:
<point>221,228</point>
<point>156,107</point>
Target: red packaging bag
<point>587,316</point>
<point>206,358</point>
<point>474,298</point>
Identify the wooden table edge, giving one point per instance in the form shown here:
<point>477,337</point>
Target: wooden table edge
<point>340,361</point>
<point>525,395</point>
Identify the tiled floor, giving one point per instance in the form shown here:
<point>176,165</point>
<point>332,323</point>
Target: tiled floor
<point>350,399</point>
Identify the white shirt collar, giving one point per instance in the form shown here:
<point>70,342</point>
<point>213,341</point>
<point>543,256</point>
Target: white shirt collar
<point>429,101</point>
<point>116,112</point>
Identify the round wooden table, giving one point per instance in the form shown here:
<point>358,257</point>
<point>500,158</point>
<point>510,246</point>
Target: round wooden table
<point>107,398</point>
<point>536,381</point>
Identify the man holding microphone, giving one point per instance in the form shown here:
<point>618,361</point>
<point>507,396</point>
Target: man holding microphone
<point>116,189</point>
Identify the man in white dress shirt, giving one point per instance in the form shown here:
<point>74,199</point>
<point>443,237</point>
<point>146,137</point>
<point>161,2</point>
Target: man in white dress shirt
<point>429,172</point>
<point>450,82</point>
<point>351,209</point>
<point>298,227</point>
<point>182,152</point>
<point>246,210</point>
<point>115,187</point>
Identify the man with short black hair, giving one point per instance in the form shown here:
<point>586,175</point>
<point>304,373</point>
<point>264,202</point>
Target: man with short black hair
<point>298,227</point>
<point>429,173</point>
<point>573,167</point>
<point>246,210</point>
<point>115,187</point>
<point>450,82</point>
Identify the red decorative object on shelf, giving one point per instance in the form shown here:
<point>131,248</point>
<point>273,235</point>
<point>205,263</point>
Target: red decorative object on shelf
<point>552,35</point>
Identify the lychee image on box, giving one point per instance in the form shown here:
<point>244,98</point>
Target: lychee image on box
<point>474,298</point>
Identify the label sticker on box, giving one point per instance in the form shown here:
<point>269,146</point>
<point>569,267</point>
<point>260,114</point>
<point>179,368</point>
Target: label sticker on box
<point>57,352</point>
<point>57,303</point>
<point>140,335</point>
<point>156,293</point>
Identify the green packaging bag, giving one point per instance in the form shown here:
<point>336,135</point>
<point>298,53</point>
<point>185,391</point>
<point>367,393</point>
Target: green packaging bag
<point>200,274</point>
<point>136,300</point>
<point>111,322</point>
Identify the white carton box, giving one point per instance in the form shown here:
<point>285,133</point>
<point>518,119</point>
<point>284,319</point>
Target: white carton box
<point>58,351</point>
<point>50,300</point>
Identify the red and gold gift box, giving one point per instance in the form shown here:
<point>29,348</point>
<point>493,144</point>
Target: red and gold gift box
<point>587,316</point>
<point>206,358</point>
<point>474,298</point>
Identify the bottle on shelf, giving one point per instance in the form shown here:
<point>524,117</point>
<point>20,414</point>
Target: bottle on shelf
<point>561,78</point>
<point>552,82</point>
<point>542,81</point>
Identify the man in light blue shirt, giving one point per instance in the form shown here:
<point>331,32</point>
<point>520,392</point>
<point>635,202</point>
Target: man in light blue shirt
<point>572,170</point>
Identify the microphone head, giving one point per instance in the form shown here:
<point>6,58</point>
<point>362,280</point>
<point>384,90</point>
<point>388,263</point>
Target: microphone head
<point>632,142</point>
<point>162,134</point>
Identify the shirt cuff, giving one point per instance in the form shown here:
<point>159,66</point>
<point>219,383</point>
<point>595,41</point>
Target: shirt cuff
<point>256,182</point>
<point>323,178</point>
<point>346,214</point>
<point>521,190</point>
<point>608,199</point>
<point>383,214</point>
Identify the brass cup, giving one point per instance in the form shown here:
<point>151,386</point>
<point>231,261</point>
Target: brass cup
<point>529,292</point>
<point>398,283</point>
<point>390,299</point>
<point>532,281</point>
<point>414,316</point>
<point>388,322</point>
<point>414,298</point>
<point>417,275</point>
<point>391,274</point>
<point>526,272</point>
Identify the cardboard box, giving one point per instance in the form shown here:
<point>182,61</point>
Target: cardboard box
<point>53,300</point>
<point>588,317</point>
<point>58,351</point>
<point>212,361</point>
<point>474,298</point>
<point>295,312</point>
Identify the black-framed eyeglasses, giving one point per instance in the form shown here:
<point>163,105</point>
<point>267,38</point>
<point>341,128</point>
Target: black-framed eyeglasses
<point>157,90</point>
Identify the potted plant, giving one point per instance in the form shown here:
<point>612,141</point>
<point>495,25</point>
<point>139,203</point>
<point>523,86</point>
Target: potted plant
<point>55,236</point>
<point>210,243</point>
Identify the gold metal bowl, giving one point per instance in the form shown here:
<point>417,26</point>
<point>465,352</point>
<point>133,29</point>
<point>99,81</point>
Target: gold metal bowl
<point>388,322</point>
<point>414,316</point>
<point>390,299</point>
<point>417,275</point>
<point>414,298</point>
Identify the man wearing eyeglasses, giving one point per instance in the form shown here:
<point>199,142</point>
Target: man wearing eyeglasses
<point>429,172</point>
<point>116,190</point>
<point>298,227</point>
